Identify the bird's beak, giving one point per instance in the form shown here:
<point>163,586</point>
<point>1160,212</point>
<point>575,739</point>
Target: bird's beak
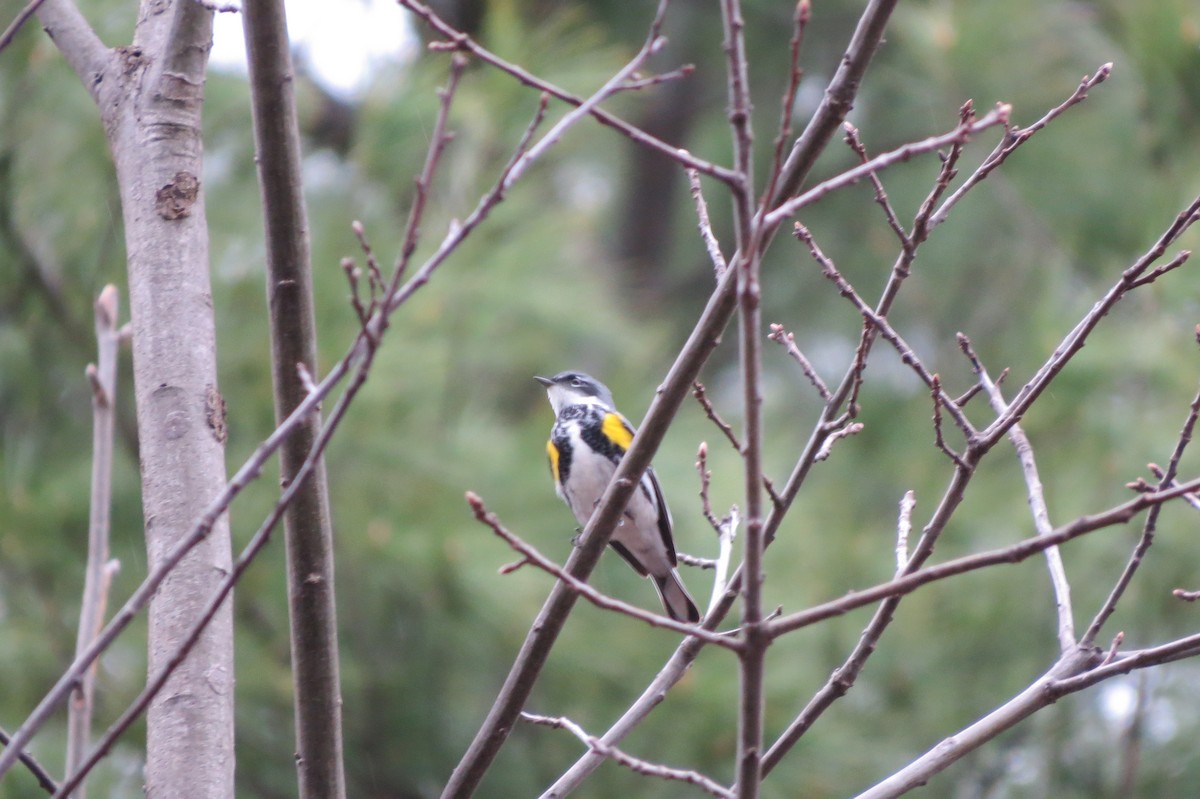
<point>545,381</point>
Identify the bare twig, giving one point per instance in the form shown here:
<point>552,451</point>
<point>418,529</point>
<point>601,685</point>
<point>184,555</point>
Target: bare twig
<point>705,479</point>
<point>702,397</point>
<point>1014,553</point>
<point>788,341</point>
<point>787,105</point>
<point>907,355</point>
<point>537,559</point>
<point>35,768</point>
<point>1154,274</point>
<point>835,435</point>
<point>1014,138</point>
<point>15,26</point>
<point>1037,500</point>
<point>440,138</point>
<point>711,245</point>
<point>903,528</point>
<point>881,198</point>
<point>935,390</point>
<point>961,133</point>
<point>460,41</point>
<point>637,83</point>
<point>95,592</point>
<point>1076,670</point>
<point>706,784</point>
<point>1148,528</point>
<point>746,263</point>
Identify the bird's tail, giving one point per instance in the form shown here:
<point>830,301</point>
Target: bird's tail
<point>675,598</point>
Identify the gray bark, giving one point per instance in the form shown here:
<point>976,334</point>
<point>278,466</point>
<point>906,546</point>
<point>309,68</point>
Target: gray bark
<point>150,96</point>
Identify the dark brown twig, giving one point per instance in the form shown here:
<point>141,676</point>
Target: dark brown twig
<point>705,479</point>
<point>35,768</point>
<point>935,390</point>
<point>881,198</point>
<point>702,397</point>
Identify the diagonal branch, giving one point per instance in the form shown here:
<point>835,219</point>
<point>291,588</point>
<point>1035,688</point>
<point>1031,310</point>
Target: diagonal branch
<point>702,782</point>
<point>1148,529</point>
<point>1037,500</point>
<point>534,557</point>
<point>461,41</point>
<point>78,43</point>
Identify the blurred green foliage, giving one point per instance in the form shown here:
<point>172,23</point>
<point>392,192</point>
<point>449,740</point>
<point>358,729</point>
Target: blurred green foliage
<point>428,627</point>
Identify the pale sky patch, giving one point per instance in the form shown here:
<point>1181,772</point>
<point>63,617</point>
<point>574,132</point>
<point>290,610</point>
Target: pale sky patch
<point>341,44</point>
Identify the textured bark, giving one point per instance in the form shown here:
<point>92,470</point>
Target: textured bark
<point>307,526</point>
<point>150,96</point>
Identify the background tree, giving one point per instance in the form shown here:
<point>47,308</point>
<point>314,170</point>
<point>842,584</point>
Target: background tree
<point>423,609</point>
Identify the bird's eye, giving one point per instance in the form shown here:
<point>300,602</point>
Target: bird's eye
<point>577,383</point>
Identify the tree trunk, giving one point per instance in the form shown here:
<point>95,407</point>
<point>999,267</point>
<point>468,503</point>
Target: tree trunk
<point>150,96</point>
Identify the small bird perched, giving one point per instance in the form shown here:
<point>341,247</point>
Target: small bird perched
<point>588,440</point>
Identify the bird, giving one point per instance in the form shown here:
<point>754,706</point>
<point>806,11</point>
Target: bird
<point>587,442</point>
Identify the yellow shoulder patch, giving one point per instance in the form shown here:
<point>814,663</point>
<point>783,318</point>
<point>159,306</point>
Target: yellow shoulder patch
<point>616,431</point>
<point>552,453</point>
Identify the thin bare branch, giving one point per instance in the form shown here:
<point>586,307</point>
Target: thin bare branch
<point>1037,500</point>
<point>45,781</point>
<point>637,83</point>
<point>95,592</point>
<point>460,41</point>
<point>636,764</point>
<point>14,27</point>
<point>935,390</point>
<point>308,526</point>
<point>960,134</point>
<point>711,245</point>
<point>1076,670</point>
<point>834,436</point>
<point>787,106</point>
<point>1014,553</point>
<point>788,341</point>
<point>438,141</point>
<point>1148,528</point>
<point>1014,138</point>
<point>705,478</point>
<point>701,396</point>
<point>535,558</point>
<point>880,323</point>
<point>881,199</point>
